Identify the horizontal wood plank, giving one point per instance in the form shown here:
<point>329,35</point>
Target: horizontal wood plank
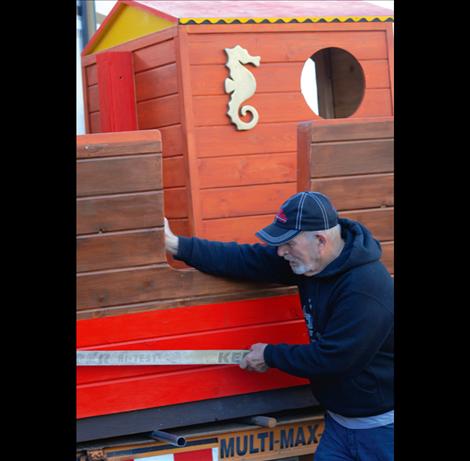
<point>286,47</point>
<point>377,102</point>
<point>244,201</point>
<point>173,140</point>
<point>119,175</point>
<point>154,55</point>
<point>353,157</point>
<point>271,107</point>
<point>247,170</point>
<point>118,143</point>
<point>174,172</point>
<point>130,211</point>
<point>233,337</point>
<point>225,140</point>
<point>276,77</point>
<point>159,112</point>
<point>198,319</point>
<point>378,220</point>
<point>136,248</point>
<point>157,82</point>
<point>241,229</point>
<point>350,129</point>
<point>139,285</point>
<point>212,382</point>
<point>355,192</point>
<point>176,203</point>
<point>376,73</point>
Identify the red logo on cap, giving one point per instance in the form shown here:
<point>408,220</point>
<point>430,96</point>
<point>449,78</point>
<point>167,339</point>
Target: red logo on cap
<point>281,216</point>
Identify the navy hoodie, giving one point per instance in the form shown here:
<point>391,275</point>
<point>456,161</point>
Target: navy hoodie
<point>348,308</point>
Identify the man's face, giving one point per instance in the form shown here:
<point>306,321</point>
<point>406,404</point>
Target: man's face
<point>303,254</point>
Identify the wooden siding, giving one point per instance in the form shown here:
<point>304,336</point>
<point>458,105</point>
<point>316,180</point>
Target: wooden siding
<point>128,294</point>
<point>244,176</point>
<point>352,163</point>
<point>121,261</point>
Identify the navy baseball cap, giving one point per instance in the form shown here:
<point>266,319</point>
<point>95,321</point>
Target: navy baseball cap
<point>304,211</point>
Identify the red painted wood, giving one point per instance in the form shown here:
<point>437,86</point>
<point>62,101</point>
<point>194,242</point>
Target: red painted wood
<point>231,325</point>
<point>116,91</point>
<point>194,455</point>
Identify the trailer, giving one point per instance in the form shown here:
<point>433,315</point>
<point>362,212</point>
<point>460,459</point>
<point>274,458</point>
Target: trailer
<point>163,139</point>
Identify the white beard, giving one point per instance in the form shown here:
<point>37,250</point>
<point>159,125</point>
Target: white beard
<point>299,269</point>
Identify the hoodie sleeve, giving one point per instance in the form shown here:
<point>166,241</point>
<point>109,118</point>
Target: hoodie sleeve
<point>355,332</point>
<point>256,262</point>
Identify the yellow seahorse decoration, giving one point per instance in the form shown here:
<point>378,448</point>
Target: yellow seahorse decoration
<point>241,85</point>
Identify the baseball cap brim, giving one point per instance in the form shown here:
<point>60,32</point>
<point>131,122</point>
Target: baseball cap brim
<point>276,235</point>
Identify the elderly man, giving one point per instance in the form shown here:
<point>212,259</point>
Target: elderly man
<point>347,300</point>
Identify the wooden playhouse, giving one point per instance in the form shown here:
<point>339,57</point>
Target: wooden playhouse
<point>163,141</point>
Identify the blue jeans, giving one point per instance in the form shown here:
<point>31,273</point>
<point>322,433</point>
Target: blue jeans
<point>339,443</point>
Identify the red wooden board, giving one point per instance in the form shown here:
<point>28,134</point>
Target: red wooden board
<point>231,325</point>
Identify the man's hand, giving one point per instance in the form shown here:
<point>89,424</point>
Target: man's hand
<point>254,360</point>
<point>171,240</point>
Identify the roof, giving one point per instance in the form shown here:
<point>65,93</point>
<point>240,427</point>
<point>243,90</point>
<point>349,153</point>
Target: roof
<point>186,12</point>
<point>131,19</point>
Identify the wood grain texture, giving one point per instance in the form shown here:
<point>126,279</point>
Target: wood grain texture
<point>354,192</point>
<point>117,250</point>
<point>378,220</point>
<point>244,201</point>
<point>173,140</point>
<point>215,141</point>
<point>353,157</point>
<point>156,82</point>
<point>174,172</point>
<point>247,170</point>
<point>137,285</point>
<point>176,203</point>
<point>159,112</point>
<point>348,130</point>
<point>123,212</point>
<point>119,175</point>
<point>241,229</point>
<point>154,55</point>
<point>286,47</point>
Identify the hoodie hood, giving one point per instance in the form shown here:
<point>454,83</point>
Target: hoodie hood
<point>360,248</point>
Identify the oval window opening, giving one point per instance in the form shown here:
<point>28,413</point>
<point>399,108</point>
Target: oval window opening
<point>332,83</point>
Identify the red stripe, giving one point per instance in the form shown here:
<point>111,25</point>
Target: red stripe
<point>198,455</point>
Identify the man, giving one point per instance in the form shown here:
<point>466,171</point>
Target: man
<point>347,299</point>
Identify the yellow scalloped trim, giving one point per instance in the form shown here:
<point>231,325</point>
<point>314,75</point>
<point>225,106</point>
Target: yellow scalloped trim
<point>287,20</point>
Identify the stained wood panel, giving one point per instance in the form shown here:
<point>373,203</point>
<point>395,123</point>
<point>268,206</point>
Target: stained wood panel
<point>117,250</point>
<point>159,112</point>
<point>93,99</point>
<point>176,203</point>
<point>241,229</point>
<point>225,140</point>
<point>94,122</point>
<point>286,46</point>
<point>243,201</point>
<point>349,158</point>
<point>276,77</point>
<point>154,55</point>
<point>174,172</point>
<point>123,212</point>
<point>156,82</point>
<point>379,221</point>
<point>173,140</point>
<point>352,163</point>
<point>247,170</point>
<point>353,192</point>
<point>118,175</point>
<point>138,285</point>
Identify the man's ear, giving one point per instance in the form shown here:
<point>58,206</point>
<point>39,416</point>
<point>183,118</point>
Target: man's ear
<point>321,239</point>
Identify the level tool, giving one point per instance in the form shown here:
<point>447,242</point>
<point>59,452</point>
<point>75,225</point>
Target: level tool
<point>178,357</point>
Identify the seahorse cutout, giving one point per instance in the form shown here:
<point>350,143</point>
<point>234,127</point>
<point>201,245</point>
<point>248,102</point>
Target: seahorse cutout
<point>241,85</point>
